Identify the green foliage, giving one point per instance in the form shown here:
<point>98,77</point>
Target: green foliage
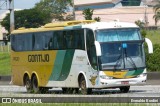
<point>28,18</point>
<point>156,17</point>
<point>98,19</point>
<point>140,24</point>
<point>153,60</point>
<point>5,66</point>
<point>157,12</point>
<point>56,8</point>
<point>88,14</point>
<point>154,36</point>
<point>143,33</point>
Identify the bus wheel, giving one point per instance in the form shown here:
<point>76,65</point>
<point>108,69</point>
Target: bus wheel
<point>35,84</point>
<point>28,85</point>
<point>83,89</point>
<point>124,89</point>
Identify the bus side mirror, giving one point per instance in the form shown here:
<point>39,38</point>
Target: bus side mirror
<point>149,44</point>
<point>98,48</point>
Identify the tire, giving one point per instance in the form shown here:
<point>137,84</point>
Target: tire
<point>28,85</point>
<point>83,89</point>
<point>124,89</point>
<point>36,89</point>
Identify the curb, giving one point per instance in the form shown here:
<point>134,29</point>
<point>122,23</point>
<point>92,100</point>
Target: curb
<point>5,78</point>
<point>153,75</point>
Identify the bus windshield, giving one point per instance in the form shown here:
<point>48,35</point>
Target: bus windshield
<point>121,49</point>
<point>107,35</point>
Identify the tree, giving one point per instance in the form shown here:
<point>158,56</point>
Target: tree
<point>88,13</point>
<point>140,24</point>
<point>98,19</point>
<point>157,12</point>
<point>28,18</point>
<point>56,8</point>
<point>157,17</point>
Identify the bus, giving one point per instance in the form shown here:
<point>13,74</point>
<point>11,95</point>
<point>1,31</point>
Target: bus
<point>79,56</point>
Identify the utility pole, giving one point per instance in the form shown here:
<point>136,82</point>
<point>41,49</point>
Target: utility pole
<point>11,9</point>
<point>145,13</point>
<point>74,15</point>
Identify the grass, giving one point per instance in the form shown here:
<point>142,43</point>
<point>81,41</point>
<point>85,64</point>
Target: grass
<point>154,36</point>
<point>5,66</point>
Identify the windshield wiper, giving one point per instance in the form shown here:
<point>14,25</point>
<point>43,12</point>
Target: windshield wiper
<point>132,62</point>
<point>118,60</point>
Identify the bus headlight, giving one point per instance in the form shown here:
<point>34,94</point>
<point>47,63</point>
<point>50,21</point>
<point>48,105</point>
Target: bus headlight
<point>142,75</point>
<point>105,77</point>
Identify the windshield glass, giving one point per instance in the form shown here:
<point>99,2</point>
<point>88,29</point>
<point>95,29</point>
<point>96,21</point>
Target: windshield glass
<point>107,35</point>
<point>121,49</point>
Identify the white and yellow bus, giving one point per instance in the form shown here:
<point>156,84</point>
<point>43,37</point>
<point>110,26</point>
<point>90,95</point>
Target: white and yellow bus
<point>79,56</point>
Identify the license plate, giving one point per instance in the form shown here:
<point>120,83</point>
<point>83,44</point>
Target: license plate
<point>125,82</point>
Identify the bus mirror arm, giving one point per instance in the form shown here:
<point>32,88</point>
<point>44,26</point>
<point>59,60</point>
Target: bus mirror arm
<point>149,44</point>
<point>98,48</point>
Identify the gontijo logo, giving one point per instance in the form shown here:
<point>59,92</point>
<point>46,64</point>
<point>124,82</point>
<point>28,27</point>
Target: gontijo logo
<point>38,58</point>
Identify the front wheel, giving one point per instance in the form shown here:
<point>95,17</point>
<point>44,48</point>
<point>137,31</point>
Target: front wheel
<point>124,89</point>
<point>83,89</point>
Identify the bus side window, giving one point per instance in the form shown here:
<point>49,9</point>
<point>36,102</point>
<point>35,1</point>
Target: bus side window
<point>78,39</point>
<point>13,42</point>
<point>47,38</point>
<point>55,41</point>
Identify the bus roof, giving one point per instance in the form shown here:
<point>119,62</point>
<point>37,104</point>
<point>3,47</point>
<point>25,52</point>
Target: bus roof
<point>110,25</point>
<point>76,24</point>
<point>54,26</point>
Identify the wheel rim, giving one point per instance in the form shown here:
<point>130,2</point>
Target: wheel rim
<point>83,86</point>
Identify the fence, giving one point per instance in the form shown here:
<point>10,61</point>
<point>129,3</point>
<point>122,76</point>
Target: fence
<point>5,47</point>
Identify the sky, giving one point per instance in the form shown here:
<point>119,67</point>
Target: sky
<point>23,4</point>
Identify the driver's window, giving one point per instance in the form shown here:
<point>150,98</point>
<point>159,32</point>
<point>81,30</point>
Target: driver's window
<point>91,51</point>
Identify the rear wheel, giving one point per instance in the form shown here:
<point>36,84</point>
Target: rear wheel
<point>36,89</point>
<point>83,89</point>
<point>28,85</point>
<point>124,89</point>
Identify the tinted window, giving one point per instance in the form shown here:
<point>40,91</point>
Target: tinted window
<point>56,40</point>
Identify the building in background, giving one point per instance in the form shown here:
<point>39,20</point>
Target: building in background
<point>122,10</point>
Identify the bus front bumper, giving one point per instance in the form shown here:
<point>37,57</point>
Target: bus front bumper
<point>107,83</point>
